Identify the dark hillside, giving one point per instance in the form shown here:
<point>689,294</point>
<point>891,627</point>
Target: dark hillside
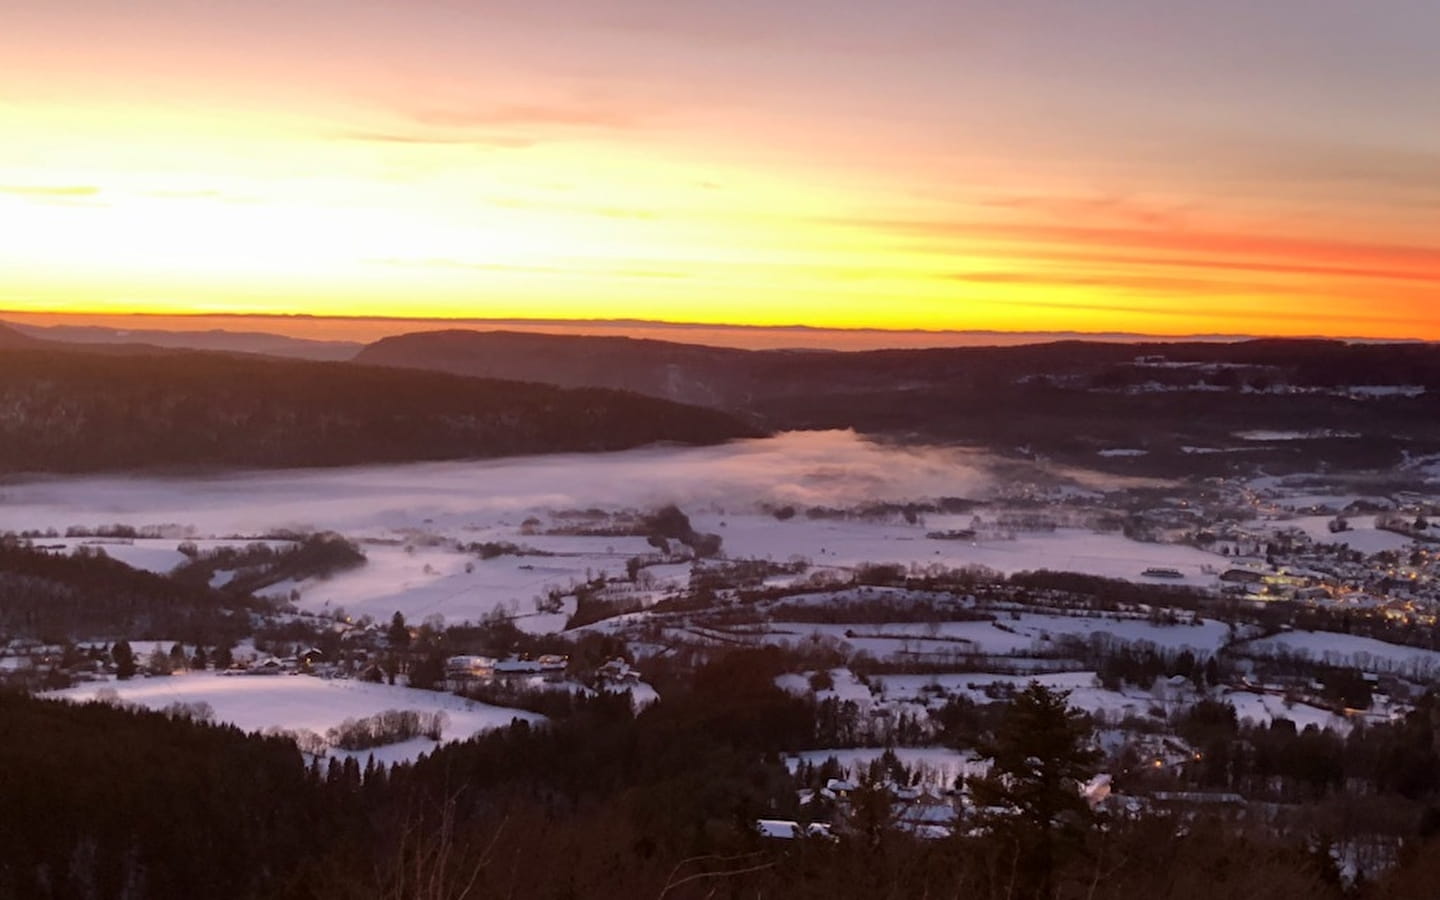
<point>56,596</point>
<point>711,376</point>
<point>1066,400</point>
<point>64,411</point>
<point>12,339</point>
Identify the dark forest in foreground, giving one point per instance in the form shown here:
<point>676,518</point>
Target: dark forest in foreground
<point>109,803</point>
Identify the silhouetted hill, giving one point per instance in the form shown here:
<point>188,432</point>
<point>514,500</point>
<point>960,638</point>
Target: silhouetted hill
<point>102,338</point>
<point>1070,399</point>
<point>70,411</point>
<point>11,339</point>
<point>687,373</point>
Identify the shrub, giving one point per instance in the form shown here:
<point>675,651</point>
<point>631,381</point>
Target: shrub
<point>389,727</point>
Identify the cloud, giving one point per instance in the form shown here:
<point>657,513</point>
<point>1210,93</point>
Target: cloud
<point>526,115</point>
<point>24,190</point>
<point>1194,308</point>
<point>569,271</point>
<point>607,212</point>
<point>1275,267</point>
<point>423,139</point>
<point>446,263</point>
<point>510,126</point>
<point>1113,208</point>
<point>1038,240</point>
<point>56,195</point>
<point>1146,283</point>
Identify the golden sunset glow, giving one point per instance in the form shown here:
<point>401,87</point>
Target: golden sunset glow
<point>453,160</point>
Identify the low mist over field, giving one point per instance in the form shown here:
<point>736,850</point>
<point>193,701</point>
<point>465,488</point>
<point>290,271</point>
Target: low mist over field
<point>811,468</point>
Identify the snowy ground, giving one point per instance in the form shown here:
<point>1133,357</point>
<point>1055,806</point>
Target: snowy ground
<point>430,581</point>
<point>849,543</point>
<point>827,467</point>
<point>410,520</point>
<point>1350,650</point>
<point>1016,634</point>
<point>159,555</point>
<point>846,687</point>
<point>1362,534</point>
<point>1264,708</point>
<point>298,702</point>
<point>1084,692</point>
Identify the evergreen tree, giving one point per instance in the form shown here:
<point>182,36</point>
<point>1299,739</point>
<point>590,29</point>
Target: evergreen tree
<point>1040,755</point>
<point>398,634</point>
<point>124,659</point>
<point>428,672</point>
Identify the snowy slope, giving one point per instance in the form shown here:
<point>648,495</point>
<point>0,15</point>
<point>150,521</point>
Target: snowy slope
<point>294,703</point>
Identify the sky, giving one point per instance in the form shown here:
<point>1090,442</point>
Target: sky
<point>1162,167</point>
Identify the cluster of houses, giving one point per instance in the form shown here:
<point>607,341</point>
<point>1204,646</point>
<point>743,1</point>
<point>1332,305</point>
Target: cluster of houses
<point>464,671</point>
<point>923,810</point>
<point>1378,553</point>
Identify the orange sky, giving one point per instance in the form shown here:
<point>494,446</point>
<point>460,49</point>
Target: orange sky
<point>1034,165</point>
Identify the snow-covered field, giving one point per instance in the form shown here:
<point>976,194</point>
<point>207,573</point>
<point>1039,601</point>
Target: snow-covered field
<point>159,555</point>
<point>846,686</point>
<point>1016,634</point>
<point>1362,534</point>
<point>411,520</point>
<point>849,543</point>
<point>1351,650</point>
<point>299,702</point>
<point>429,581</point>
<point>1265,708</point>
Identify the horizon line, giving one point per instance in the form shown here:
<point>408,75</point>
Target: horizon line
<point>727,326</point>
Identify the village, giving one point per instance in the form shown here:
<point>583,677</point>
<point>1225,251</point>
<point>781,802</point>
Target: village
<point>1193,624</point>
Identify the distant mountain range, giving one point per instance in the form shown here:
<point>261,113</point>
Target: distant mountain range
<point>1069,399</point>
<point>212,339</point>
<point>749,379</point>
<point>1157,407</point>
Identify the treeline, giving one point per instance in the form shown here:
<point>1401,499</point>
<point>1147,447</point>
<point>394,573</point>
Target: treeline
<point>389,727</point>
<point>78,412</point>
<point>1396,765</point>
<point>55,596</point>
<point>860,609</point>
<point>259,565</point>
<point>109,803</point>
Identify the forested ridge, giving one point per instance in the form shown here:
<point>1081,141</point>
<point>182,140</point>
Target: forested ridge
<point>1064,399</point>
<point>78,411</point>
